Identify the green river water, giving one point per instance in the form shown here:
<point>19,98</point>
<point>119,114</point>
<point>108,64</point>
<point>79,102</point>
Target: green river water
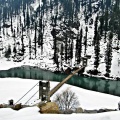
<point>90,83</point>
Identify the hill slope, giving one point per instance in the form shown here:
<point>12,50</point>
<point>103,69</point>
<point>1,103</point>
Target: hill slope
<point>56,34</point>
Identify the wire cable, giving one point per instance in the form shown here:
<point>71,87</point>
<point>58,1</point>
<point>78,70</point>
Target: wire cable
<point>26,93</point>
<point>31,97</point>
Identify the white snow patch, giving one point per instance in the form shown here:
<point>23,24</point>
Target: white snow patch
<point>15,88</point>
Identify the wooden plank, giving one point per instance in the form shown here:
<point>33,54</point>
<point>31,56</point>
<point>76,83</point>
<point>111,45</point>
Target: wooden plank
<point>63,81</point>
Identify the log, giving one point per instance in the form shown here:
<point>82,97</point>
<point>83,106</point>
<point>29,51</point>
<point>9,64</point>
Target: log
<point>63,81</point>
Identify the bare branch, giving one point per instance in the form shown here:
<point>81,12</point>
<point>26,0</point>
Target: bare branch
<point>67,100</point>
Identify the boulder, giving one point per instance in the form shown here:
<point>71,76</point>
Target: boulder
<point>17,106</point>
<point>68,71</point>
<point>1,106</point>
<point>79,110</point>
<point>40,104</point>
<point>68,111</point>
<point>90,111</point>
<point>49,107</point>
<point>105,110</point>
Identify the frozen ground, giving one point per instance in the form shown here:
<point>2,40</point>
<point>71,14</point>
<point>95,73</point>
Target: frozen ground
<point>14,88</point>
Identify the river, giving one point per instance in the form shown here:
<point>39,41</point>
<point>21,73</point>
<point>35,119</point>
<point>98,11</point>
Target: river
<point>90,83</point>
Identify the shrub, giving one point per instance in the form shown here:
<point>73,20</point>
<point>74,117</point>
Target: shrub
<point>67,101</point>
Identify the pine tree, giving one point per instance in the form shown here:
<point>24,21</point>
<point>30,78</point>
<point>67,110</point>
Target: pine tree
<point>90,7</point>
<point>29,46</point>
<point>108,57</point>
<point>102,5</point>
<point>61,54</point>
<point>0,22</point>
<point>95,31</point>
<point>106,23</point>
<point>82,3</point>
<point>97,52</point>
<point>55,57</point>
<point>79,46</point>
<point>8,52</point>
<point>66,48</point>
<point>108,3</point>
<point>14,51</point>
<point>3,27</point>
<point>76,52</point>
<point>11,24</point>
<point>71,50</point>
<point>96,44</point>
<point>23,47</point>
<point>28,31</point>
<point>85,42</point>
<point>35,38</point>
<point>27,19</point>
<point>40,34</point>
<point>101,25</point>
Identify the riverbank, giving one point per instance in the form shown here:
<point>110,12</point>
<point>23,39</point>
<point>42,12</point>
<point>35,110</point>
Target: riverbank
<point>49,65</point>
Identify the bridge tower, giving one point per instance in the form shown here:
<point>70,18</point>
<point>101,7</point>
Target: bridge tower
<point>44,89</point>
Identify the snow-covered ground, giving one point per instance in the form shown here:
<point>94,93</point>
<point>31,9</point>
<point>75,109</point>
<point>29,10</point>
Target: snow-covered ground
<point>33,114</point>
<point>15,88</point>
<point>45,60</point>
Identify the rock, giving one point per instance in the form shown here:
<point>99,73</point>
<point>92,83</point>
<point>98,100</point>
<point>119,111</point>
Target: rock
<point>1,105</point>
<point>90,111</point>
<point>17,107</point>
<point>49,107</point>
<point>105,110</point>
<point>68,71</point>
<point>5,105</point>
<point>79,110</point>
<point>67,111</point>
<point>40,104</point>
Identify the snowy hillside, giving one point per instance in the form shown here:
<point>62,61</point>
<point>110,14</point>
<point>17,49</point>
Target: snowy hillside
<point>56,34</point>
<point>15,88</point>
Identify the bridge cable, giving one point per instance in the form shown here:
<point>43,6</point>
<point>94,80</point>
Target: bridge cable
<point>26,93</point>
<point>31,97</point>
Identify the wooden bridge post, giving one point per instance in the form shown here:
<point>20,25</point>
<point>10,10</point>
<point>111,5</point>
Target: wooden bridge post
<point>44,88</point>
